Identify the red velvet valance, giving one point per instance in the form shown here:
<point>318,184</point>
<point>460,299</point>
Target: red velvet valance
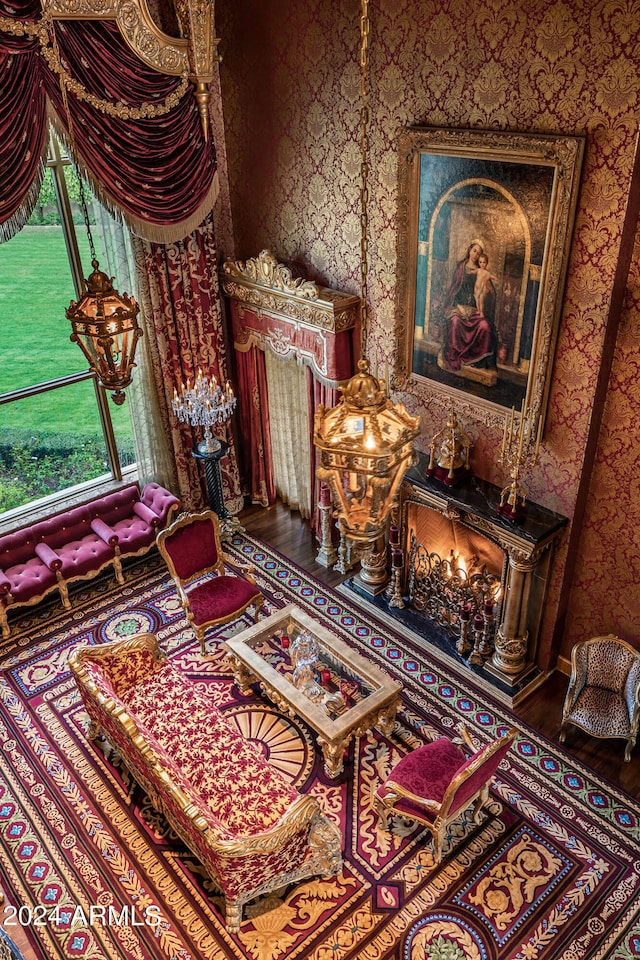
<point>159,173</point>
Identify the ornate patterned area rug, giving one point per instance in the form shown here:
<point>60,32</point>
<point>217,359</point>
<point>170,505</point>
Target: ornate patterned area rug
<point>90,869</point>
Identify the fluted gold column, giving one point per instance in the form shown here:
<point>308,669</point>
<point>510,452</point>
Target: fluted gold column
<point>510,649</point>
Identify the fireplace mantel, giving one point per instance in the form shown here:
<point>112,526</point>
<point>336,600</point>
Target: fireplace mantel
<point>527,545</point>
<point>476,503</point>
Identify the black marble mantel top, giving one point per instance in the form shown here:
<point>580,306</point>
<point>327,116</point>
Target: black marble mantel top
<point>481,499</point>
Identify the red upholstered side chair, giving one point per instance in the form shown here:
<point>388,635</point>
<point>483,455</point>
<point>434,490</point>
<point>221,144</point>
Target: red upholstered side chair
<point>191,549</point>
<point>436,783</point>
<point>603,697</point>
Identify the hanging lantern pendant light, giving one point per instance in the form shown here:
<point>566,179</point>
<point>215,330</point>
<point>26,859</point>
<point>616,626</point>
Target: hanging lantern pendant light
<point>104,323</point>
<point>105,327</point>
<point>366,441</point>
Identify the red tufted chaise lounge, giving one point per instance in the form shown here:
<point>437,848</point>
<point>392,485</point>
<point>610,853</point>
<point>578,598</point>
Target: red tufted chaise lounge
<point>244,821</point>
<point>79,542</point>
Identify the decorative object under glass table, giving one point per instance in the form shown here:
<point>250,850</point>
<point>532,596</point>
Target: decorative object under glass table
<point>308,672</point>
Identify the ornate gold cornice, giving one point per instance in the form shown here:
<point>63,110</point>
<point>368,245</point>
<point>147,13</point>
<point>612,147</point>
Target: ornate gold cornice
<point>138,28</point>
<point>193,54</point>
<point>264,285</point>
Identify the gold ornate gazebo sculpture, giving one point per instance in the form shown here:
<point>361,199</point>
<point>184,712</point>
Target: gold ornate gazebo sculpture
<point>366,447</point>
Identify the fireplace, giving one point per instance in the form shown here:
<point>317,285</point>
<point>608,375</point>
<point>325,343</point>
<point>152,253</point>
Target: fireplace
<point>469,584</point>
<point>480,577</point>
<point>455,577</point>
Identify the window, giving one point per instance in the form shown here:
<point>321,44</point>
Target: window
<point>57,427</point>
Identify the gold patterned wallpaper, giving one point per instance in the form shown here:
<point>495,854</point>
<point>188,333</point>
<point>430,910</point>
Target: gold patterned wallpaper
<point>290,85</point>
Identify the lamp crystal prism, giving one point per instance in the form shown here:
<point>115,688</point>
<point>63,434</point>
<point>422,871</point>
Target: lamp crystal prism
<point>204,403</point>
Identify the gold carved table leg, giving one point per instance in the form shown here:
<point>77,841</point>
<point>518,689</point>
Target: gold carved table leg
<point>241,674</point>
<point>387,718</point>
<point>333,754</point>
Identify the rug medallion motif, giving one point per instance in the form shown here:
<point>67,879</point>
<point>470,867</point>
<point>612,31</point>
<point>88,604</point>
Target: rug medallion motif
<point>550,872</point>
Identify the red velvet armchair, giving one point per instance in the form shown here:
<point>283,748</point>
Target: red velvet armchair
<point>436,783</point>
<point>191,549</point>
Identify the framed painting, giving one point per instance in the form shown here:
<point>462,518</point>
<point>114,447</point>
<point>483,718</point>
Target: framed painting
<point>484,229</point>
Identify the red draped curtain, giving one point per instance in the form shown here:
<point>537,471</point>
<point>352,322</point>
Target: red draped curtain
<point>23,112</point>
<point>184,328</point>
<point>158,173</point>
<point>254,425</point>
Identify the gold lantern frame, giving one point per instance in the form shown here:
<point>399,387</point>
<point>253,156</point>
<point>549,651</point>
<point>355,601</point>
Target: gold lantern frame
<point>366,446</point>
<point>105,328</point>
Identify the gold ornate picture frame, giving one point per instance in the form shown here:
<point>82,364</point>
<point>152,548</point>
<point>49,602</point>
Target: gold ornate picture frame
<point>484,229</point>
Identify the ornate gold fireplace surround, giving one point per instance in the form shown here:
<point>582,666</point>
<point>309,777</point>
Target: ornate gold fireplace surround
<point>518,553</point>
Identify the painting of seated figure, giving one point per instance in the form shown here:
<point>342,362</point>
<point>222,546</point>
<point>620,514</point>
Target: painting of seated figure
<point>484,232</point>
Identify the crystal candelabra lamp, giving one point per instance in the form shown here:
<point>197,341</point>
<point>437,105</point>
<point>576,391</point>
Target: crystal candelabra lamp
<point>204,404</point>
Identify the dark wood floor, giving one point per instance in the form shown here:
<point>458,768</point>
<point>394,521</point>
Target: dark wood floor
<point>289,534</point>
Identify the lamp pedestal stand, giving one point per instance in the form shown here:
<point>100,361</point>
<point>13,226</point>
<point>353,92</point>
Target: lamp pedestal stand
<point>229,525</point>
<point>373,576</point>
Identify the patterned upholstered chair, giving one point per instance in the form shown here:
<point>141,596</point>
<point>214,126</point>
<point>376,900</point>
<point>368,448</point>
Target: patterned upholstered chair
<point>603,696</point>
<point>437,782</point>
<point>191,549</point>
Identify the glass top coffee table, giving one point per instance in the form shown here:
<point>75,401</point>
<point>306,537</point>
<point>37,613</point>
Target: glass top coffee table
<point>310,673</point>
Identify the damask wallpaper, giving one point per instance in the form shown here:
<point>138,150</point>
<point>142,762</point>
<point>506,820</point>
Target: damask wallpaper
<point>291,96</point>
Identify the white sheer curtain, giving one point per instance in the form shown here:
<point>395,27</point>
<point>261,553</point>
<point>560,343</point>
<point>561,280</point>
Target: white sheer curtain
<point>153,456</point>
<point>290,431</point>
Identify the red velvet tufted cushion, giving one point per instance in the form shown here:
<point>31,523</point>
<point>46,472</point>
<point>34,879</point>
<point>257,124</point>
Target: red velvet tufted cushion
<point>63,528</point>
<point>84,556</point>
<point>16,548</point>
<point>134,534</point>
<point>159,500</point>
<point>428,771</point>
<point>31,579</point>
<point>192,548</point>
<point>220,597</point>
<point>114,506</point>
